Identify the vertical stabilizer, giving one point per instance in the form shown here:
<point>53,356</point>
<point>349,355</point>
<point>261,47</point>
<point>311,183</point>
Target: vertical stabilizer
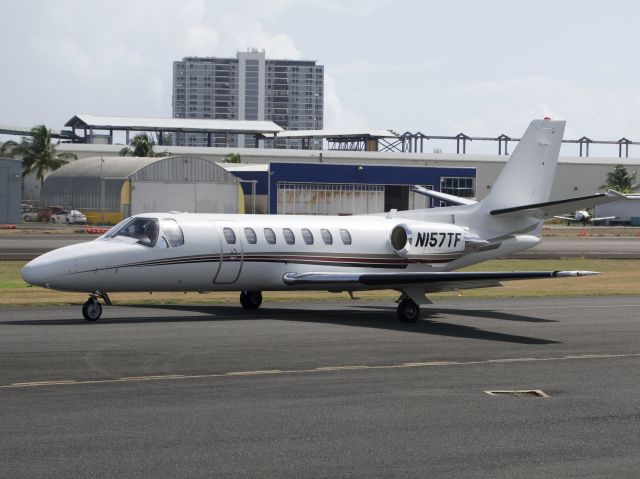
<point>528,175</point>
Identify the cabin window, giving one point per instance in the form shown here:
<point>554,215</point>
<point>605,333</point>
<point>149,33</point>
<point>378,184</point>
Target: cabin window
<point>229,235</point>
<point>307,236</point>
<point>289,237</point>
<point>145,230</point>
<point>250,235</point>
<point>270,236</point>
<point>345,236</point>
<point>173,232</point>
<point>326,236</point>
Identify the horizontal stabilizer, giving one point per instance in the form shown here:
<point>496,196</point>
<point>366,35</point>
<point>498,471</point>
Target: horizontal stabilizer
<point>429,282</point>
<point>551,208</point>
<point>455,200</point>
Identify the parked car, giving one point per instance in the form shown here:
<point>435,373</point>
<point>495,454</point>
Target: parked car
<point>28,213</point>
<point>45,213</point>
<point>69,217</point>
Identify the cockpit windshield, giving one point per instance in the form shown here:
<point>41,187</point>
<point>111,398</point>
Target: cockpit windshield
<point>145,230</point>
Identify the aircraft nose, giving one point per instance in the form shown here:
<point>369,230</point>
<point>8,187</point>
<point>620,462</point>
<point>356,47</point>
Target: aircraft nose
<point>39,271</point>
<point>35,271</point>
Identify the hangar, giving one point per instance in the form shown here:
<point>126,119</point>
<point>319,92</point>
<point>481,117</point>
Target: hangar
<point>108,189</point>
<point>344,189</point>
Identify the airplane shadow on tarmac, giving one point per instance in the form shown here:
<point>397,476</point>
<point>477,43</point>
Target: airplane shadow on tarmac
<point>382,318</point>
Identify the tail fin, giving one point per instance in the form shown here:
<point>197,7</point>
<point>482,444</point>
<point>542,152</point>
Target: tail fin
<point>528,175</point>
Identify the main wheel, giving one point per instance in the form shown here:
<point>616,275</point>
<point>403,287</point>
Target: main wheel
<point>408,311</point>
<point>250,299</point>
<point>92,310</point>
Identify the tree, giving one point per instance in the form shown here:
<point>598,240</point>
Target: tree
<point>39,155</point>
<point>141,145</point>
<point>621,180</point>
<point>7,148</point>
<point>232,158</point>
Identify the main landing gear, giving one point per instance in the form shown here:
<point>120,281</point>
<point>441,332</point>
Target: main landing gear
<point>408,310</point>
<point>251,299</point>
<point>92,309</point>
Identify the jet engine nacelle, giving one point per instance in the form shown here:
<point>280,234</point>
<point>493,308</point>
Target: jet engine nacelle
<point>427,239</point>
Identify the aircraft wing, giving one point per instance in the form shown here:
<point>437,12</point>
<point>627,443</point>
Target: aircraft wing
<point>551,208</point>
<point>429,282</point>
<point>566,218</point>
<point>603,218</point>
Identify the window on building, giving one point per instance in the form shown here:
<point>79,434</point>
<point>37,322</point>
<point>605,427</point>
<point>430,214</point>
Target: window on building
<point>458,186</point>
<point>250,235</point>
<point>307,236</point>
<point>345,236</point>
<point>289,237</point>
<point>326,236</point>
<point>229,235</point>
<point>173,232</point>
<point>270,236</point>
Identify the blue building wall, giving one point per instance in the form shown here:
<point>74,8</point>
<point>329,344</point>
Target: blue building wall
<point>368,174</point>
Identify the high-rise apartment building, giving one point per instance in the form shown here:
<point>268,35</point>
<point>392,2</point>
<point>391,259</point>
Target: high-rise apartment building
<point>248,87</point>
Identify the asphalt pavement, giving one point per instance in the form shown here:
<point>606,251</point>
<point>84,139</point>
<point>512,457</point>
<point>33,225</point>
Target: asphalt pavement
<point>323,390</point>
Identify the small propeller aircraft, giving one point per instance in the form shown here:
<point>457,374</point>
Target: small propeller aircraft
<point>584,217</point>
<point>415,252</point>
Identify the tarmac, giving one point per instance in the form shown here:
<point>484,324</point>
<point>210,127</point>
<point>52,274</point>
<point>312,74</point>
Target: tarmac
<point>317,390</point>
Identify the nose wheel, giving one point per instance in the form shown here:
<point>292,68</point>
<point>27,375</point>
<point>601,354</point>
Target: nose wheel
<point>251,299</point>
<point>92,310</point>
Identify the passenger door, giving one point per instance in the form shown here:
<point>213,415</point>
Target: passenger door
<point>230,253</point>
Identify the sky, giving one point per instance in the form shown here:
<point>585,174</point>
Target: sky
<point>479,67</point>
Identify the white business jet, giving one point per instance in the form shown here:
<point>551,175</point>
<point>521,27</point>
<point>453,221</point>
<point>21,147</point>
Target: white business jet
<point>414,252</point>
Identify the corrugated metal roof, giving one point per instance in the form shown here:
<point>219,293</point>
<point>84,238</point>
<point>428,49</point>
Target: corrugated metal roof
<point>106,167</point>
<point>174,168</point>
<point>337,134</point>
<point>171,124</point>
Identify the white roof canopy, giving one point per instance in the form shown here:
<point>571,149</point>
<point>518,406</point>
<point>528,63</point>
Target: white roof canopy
<point>337,134</point>
<point>172,124</point>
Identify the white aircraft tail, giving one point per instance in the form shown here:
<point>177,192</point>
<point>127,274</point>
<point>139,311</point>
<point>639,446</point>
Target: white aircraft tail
<point>527,177</point>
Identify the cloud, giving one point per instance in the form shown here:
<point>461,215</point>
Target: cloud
<point>252,34</point>
<point>336,115</point>
<point>201,40</point>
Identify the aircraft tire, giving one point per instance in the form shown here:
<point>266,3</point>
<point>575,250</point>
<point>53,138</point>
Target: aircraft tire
<point>408,311</point>
<point>251,299</point>
<point>92,310</point>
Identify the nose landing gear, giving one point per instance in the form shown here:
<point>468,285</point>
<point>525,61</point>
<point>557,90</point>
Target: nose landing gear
<point>92,309</point>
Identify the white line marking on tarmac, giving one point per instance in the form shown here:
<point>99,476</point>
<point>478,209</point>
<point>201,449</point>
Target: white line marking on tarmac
<point>566,306</point>
<point>272,372</point>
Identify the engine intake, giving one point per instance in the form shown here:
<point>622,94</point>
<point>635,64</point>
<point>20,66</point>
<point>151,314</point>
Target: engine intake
<point>426,240</point>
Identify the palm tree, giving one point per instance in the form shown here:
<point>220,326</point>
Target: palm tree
<point>621,180</point>
<point>141,145</point>
<point>232,158</point>
<point>39,155</point>
<point>7,148</point>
